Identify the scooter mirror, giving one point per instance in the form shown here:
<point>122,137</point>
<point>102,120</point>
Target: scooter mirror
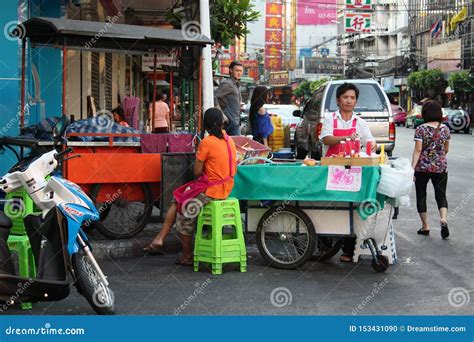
<point>60,127</point>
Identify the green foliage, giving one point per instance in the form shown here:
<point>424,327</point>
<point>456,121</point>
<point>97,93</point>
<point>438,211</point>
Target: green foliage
<point>460,83</point>
<point>427,82</point>
<point>307,88</point>
<point>229,19</point>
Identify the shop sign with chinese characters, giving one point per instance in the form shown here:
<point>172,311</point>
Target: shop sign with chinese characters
<point>359,4</point>
<point>358,22</point>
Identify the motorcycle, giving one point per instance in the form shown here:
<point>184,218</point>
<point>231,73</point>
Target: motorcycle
<point>60,247</point>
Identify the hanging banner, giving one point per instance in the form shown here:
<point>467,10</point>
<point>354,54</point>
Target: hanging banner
<point>273,35</point>
<point>359,4</point>
<point>317,12</point>
<point>358,22</point>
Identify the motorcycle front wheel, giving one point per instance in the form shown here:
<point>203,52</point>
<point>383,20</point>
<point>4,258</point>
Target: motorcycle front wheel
<point>91,286</point>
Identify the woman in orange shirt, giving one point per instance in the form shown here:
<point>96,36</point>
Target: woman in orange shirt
<point>215,166</point>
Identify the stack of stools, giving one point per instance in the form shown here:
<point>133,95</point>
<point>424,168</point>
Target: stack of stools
<point>277,139</point>
<point>18,206</point>
<point>219,237</point>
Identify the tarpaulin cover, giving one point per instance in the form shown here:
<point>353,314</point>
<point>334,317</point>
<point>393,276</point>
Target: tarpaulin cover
<point>304,183</point>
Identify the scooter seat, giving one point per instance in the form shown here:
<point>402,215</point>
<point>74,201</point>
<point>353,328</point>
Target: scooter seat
<point>5,221</point>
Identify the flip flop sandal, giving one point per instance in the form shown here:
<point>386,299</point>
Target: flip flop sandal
<point>444,230</point>
<point>345,258</point>
<point>422,231</point>
<point>179,262</point>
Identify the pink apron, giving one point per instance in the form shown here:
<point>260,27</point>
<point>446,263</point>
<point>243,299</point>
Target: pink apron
<point>341,132</point>
<point>195,187</point>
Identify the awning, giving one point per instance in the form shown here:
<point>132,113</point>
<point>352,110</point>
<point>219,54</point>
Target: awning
<point>92,35</point>
<point>392,90</point>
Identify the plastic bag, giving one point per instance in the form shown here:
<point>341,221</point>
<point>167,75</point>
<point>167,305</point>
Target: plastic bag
<point>404,201</point>
<point>396,180</point>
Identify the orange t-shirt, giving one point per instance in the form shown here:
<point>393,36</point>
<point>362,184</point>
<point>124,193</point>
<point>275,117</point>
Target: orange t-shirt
<point>213,152</point>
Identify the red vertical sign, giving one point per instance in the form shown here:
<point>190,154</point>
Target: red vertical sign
<point>273,35</point>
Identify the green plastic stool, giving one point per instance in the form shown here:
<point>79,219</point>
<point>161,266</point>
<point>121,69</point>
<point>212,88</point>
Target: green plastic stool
<point>21,206</point>
<point>26,261</point>
<point>216,247</point>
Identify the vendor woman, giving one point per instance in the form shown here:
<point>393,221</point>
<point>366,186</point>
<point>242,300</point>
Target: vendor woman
<point>339,126</point>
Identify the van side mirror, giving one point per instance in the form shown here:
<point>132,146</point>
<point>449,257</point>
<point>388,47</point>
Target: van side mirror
<point>297,113</point>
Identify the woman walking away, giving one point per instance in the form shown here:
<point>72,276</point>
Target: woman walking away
<point>259,119</point>
<point>215,166</point>
<point>429,161</point>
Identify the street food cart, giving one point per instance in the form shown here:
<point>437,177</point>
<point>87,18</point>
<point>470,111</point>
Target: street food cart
<point>301,212</point>
<point>115,173</point>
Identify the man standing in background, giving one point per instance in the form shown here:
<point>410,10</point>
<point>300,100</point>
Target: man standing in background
<point>228,98</point>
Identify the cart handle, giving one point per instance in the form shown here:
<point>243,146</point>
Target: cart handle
<point>266,160</point>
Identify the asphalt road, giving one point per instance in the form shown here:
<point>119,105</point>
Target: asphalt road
<point>432,276</point>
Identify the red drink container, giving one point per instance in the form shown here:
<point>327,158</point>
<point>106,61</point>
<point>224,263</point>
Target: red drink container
<point>348,148</point>
<point>368,149</point>
<point>357,146</point>
<point>342,148</point>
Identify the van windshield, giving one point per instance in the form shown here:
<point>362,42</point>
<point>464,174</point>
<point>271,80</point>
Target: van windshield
<point>371,98</point>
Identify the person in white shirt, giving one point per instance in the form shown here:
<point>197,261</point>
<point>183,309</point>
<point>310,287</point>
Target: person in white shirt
<point>338,127</point>
<point>344,123</point>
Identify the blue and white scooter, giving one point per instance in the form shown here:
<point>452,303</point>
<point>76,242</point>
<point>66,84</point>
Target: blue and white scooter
<point>60,246</point>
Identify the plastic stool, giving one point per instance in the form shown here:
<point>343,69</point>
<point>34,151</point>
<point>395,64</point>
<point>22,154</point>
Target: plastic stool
<point>217,247</point>
<point>26,262</point>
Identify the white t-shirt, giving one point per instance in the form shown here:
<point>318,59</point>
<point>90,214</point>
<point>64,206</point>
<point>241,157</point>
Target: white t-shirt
<point>362,128</point>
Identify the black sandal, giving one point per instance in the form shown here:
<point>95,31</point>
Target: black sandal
<point>422,231</point>
<point>444,230</point>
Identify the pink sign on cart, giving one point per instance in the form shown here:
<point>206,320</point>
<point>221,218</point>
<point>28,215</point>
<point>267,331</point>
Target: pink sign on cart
<point>317,12</point>
<point>342,179</point>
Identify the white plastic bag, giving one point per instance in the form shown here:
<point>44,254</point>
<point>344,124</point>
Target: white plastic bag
<point>404,201</point>
<point>396,180</point>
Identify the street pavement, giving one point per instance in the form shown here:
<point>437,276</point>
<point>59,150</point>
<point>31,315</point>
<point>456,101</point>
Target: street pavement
<point>432,276</point>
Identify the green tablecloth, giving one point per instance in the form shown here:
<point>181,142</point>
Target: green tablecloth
<point>297,183</point>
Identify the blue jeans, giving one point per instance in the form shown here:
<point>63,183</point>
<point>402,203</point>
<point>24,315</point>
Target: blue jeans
<point>232,129</point>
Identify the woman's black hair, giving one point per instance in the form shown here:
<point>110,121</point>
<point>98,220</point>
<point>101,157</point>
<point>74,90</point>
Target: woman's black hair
<point>345,87</point>
<point>120,112</point>
<point>259,98</point>
<point>432,111</point>
<point>213,121</point>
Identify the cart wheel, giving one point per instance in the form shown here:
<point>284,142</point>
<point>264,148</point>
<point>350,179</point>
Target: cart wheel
<point>120,216</point>
<point>380,264</point>
<point>326,248</point>
<point>285,237</point>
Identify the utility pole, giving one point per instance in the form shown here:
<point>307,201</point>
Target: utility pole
<point>207,84</point>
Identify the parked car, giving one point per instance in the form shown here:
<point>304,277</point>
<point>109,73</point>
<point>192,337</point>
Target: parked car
<point>399,115</point>
<point>286,114</point>
<point>457,120</point>
<point>414,118</point>
<point>373,106</point>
